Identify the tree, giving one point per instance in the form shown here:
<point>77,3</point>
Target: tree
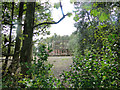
<point>15,63</point>
<point>26,52</point>
<point>23,55</point>
<point>83,34</point>
<point>100,62</point>
<point>9,45</point>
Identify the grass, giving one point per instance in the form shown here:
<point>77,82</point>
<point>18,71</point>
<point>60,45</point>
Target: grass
<point>60,64</point>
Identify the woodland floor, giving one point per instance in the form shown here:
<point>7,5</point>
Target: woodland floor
<point>60,63</point>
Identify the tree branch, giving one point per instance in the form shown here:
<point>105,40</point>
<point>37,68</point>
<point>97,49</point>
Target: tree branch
<point>5,23</point>
<point>40,30</point>
<point>53,22</point>
<point>89,17</point>
<point>61,9</point>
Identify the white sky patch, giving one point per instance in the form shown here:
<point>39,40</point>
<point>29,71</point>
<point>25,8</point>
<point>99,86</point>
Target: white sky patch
<point>66,26</point>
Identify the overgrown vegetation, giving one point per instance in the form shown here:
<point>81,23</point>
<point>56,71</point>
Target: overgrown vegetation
<point>95,45</point>
<point>97,61</point>
<point>38,76</point>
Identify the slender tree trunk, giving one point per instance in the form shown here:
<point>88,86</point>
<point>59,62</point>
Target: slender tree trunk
<point>15,63</point>
<point>26,51</point>
<point>9,45</point>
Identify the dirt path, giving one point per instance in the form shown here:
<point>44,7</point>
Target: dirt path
<point>60,64</point>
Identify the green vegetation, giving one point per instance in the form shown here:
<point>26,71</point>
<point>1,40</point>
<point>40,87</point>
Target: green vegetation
<point>95,46</point>
<point>97,58</point>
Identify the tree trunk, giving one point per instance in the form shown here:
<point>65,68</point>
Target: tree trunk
<point>9,45</point>
<point>15,63</point>
<point>26,51</point>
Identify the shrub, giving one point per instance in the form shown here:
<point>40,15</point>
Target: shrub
<point>41,76</point>
<point>98,68</point>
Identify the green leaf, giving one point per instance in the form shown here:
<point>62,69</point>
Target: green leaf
<point>104,77</point>
<point>56,5</point>
<point>76,18</point>
<point>72,1</point>
<point>69,14</point>
<point>48,32</point>
<point>26,35</point>
<point>94,12</point>
<point>103,17</point>
<point>21,38</point>
<point>87,6</point>
<point>114,35</point>
<point>95,5</point>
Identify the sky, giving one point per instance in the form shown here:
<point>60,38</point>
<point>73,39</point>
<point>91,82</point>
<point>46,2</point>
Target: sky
<point>66,26</point>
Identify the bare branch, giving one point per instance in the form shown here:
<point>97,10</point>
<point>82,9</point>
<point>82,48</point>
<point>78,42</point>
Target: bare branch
<point>61,9</point>
<point>53,22</point>
<point>40,30</point>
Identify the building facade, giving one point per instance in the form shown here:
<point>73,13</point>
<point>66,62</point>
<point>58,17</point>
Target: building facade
<point>60,48</point>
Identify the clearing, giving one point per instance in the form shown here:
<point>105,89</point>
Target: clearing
<point>60,63</point>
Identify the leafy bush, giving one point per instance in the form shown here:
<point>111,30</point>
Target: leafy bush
<point>91,72</point>
<point>41,76</point>
<point>98,68</point>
